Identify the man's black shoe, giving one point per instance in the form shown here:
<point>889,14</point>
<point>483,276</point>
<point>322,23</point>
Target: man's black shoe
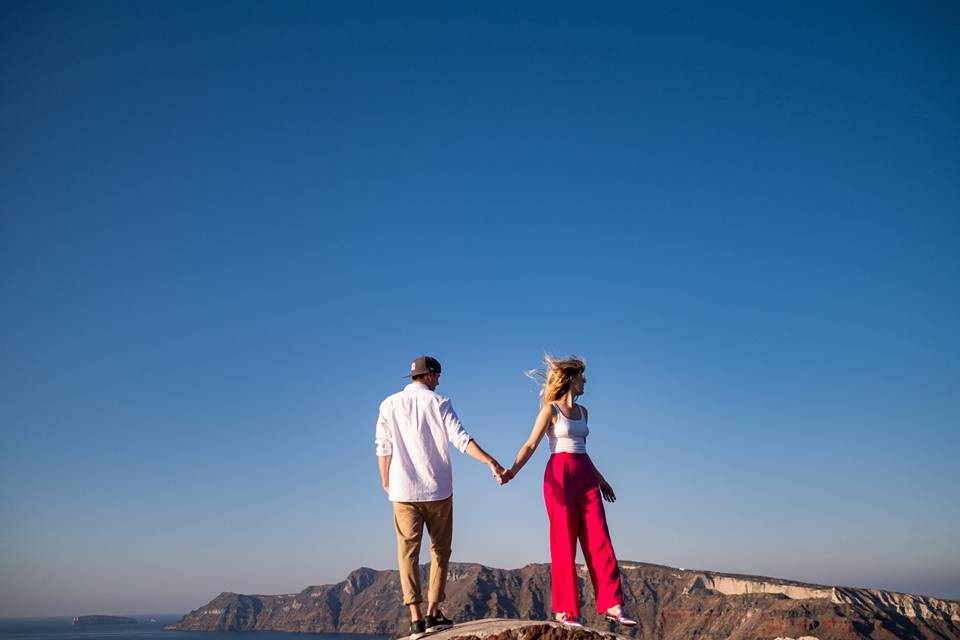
<point>438,622</point>
<point>418,629</point>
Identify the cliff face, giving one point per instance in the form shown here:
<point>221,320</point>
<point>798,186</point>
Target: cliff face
<point>670,604</point>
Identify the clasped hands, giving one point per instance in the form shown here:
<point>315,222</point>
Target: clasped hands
<point>501,475</point>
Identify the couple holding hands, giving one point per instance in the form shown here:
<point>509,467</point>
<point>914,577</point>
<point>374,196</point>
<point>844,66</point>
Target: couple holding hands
<point>412,436</point>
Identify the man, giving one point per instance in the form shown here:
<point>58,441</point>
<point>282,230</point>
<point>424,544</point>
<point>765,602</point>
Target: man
<point>413,430</point>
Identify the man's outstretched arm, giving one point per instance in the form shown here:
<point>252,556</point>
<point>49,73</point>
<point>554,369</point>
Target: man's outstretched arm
<point>459,437</point>
<point>474,451</point>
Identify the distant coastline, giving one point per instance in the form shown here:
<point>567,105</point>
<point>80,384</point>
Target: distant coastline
<point>103,619</point>
<point>68,617</point>
<point>149,628</point>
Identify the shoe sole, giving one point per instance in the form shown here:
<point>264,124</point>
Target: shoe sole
<point>621,622</point>
<point>439,627</point>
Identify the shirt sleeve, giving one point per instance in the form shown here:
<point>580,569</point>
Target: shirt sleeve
<point>384,441</point>
<point>456,434</point>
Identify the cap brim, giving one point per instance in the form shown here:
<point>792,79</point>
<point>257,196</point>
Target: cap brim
<point>418,373</point>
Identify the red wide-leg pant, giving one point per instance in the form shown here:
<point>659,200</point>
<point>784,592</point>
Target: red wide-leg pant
<point>575,509</point>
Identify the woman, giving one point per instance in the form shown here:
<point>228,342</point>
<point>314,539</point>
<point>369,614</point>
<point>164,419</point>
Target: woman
<point>572,490</point>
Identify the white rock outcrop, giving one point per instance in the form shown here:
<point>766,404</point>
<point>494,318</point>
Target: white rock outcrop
<point>905,604</point>
<point>911,606</point>
<point>733,586</point>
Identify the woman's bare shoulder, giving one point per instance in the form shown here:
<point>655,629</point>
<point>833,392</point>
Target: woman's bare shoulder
<point>548,411</point>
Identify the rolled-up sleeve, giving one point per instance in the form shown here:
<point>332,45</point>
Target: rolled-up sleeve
<point>456,434</point>
<point>384,440</point>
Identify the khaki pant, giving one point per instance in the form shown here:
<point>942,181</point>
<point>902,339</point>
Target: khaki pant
<point>409,518</point>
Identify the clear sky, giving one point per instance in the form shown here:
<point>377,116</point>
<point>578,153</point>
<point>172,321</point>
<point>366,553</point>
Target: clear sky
<point>227,228</point>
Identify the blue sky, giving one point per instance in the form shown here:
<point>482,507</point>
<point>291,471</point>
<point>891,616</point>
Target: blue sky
<point>228,227</point>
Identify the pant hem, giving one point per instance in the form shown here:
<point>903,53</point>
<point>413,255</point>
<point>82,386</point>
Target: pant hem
<point>603,611</point>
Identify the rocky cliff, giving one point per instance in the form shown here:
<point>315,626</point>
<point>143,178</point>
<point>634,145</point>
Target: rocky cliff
<point>670,604</point>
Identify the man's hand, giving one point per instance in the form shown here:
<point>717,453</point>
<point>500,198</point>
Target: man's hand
<point>499,473</point>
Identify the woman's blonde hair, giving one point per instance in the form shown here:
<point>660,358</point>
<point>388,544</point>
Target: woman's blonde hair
<point>557,376</point>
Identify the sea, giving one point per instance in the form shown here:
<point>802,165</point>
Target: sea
<point>149,627</point>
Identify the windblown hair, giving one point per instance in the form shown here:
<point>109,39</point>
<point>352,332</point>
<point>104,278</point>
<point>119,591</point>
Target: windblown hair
<point>557,376</point>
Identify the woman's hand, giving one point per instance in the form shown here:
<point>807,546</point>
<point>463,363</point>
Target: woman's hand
<point>499,473</point>
<point>607,491</point>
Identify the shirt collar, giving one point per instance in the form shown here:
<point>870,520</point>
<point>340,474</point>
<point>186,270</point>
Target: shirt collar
<point>417,385</point>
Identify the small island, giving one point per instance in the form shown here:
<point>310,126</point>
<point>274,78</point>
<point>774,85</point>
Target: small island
<point>103,620</point>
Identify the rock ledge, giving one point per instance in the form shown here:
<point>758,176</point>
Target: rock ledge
<point>504,629</point>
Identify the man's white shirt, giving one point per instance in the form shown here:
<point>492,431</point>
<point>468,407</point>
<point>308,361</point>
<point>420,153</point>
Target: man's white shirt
<point>414,427</point>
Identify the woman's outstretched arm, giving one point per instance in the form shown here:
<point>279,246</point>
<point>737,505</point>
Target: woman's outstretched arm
<point>539,428</point>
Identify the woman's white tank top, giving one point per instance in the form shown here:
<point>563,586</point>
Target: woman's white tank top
<point>566,435</point>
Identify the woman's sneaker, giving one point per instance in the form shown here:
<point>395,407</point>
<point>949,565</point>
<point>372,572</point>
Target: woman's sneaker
<point>569,620</point>
<point>438,622</point>
<point>418,629</point>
